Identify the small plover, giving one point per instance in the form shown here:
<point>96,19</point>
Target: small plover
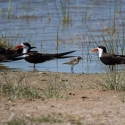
<point>73,62</point>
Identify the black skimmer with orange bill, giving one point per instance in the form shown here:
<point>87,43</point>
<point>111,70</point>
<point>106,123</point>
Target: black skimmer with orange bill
<point>73,62</point>
<point>34,57</point>
<point>107,58</point>
<point>12,54</point>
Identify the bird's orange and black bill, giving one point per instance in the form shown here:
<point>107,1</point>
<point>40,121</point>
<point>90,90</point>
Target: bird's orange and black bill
<point>18,46</point>
<point>94,50</point>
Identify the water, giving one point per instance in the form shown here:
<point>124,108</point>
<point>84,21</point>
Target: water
<point>82,32</point>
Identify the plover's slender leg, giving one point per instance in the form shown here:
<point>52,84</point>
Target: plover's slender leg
<point>72,68</point>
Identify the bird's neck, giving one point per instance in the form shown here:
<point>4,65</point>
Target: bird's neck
<point>100,53</point>
<point>25,51</point>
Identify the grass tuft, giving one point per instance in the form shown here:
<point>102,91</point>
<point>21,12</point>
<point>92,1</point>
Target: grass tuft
<point>4,42</point>
<point>9,9</point>
<point>15,122</point>
<point>18,89</point>
<point>65,7</point>
<point>55,89</point>
<point>45,119</point>
<point>113,81</point>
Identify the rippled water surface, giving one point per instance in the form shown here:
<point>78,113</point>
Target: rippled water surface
<point>55,26</point>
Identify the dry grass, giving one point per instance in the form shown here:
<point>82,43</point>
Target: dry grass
<point>64,99</point>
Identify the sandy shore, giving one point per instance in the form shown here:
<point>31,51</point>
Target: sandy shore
<point>78,100</point>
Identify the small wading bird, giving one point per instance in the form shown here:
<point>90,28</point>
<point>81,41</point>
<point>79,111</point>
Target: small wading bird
<point>73,62</point>
<point>34,57</point>
<point>107,58</point>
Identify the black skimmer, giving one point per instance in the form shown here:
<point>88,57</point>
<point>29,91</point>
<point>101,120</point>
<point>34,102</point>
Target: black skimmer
<point>107,58</point>
<point>34,57</point>
<point>9,54</point>
<point>12,54</point>
<point>73,62</point>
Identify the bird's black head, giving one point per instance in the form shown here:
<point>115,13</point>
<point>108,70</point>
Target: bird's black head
<point>27,44</point>
<point>78,57</point>
<point>103,47</point>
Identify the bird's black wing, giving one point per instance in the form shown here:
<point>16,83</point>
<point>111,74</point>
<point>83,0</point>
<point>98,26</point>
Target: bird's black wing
<point>112,59</point>
<point>58,55</point>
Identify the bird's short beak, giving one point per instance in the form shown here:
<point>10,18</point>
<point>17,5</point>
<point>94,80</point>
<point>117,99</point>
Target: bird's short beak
<point>18,46</point>
<point>94,50</point>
